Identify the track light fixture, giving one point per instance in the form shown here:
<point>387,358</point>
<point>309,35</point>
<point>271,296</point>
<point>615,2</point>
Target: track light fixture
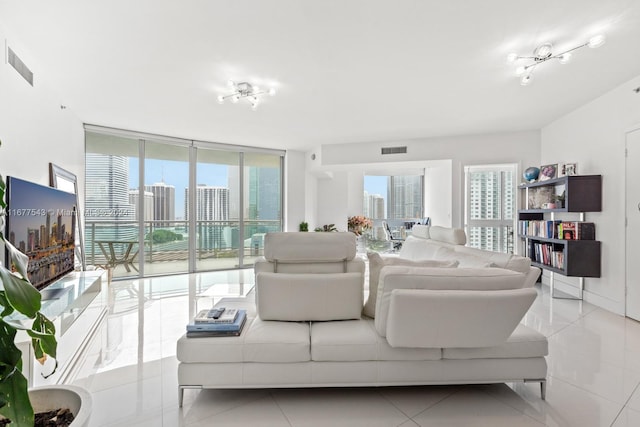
<point>244,90</point>
<point>544,53</point>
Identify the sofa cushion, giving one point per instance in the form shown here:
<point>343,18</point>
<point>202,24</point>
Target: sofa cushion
<point>454,236</point>
<point>357,340</point>
<point>524,342</point>
<point>302,246</point>
<point>464,260</point>
<point>400,277</point>
<point>213,349</point>
<point>306,297</point>
<point>419,230</point>
<point>377,261</point>
<point>276,342</point>
<point>416,248</point>
<point>499,259</point>
<point>455,318</point>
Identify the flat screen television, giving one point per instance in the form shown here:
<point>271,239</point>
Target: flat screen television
<point>41,223</point>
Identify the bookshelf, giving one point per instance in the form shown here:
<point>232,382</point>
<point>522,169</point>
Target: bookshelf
<point>538,227</point>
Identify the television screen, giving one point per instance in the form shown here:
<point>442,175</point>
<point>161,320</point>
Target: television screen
<point>41,223</point>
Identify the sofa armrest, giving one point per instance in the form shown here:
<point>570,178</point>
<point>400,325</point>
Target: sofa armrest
<point>531,277</point>
<point>444,319</point>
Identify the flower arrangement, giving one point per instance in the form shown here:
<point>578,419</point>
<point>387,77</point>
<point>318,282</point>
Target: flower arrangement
<point>357,224</point>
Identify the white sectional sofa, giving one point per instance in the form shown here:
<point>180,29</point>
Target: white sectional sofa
<point>442,319</point>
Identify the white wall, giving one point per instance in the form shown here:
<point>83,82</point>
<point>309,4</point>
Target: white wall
<point>594,137</point>
<point>34,129</point>
<point>522,148</point>
<point>438,193</point>
<point>295,182</point>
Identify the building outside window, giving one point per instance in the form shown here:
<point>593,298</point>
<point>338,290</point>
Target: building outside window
<point>393,196</point>
<point>490,207</point>
<point>204,206</point>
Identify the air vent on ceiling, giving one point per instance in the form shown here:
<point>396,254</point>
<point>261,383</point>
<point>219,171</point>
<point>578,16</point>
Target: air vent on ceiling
<point>394,150</point>
<point>20,66</point>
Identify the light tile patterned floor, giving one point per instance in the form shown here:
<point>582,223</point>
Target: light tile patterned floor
<point>594,374</point>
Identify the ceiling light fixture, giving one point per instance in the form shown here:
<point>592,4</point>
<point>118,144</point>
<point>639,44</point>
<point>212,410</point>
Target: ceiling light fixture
<point>244,90</point>
<point>544,53</point>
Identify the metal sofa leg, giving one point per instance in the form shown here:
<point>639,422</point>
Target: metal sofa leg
<point>543,389</point>
<point>180,396</point>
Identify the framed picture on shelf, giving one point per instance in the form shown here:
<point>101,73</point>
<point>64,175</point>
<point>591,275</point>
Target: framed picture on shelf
<point>548,172</point>
<point>567,169</point>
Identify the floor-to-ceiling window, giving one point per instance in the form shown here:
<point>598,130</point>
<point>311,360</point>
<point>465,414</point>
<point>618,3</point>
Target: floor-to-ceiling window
<point>217,214</point>
<point>262,202</point>
<point>110,216</point>
<point>165,180</point>
<point>490,207</point>
<point>394,201</point>
<point>157,205</point>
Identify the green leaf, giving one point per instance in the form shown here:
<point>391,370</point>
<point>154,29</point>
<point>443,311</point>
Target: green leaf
<point>20,293</point>
<point>14,398</point>
<point>43,334</point>
<point>14,391</point>
<point>11,354</point>
<point>7,309</point>
<point>17,259</point>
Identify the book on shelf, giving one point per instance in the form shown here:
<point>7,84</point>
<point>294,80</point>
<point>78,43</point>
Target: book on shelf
<point>577,230</point>
<point>548,254</point>
<point>564,230</point>
<point>567,230</point>
<point>235,326</point>
<point>228,315</point>
<point>218,333</point>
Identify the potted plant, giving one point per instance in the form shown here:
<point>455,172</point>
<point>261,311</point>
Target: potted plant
<point>18,298</point>
<point>303,226</point>
<point>327,228</point>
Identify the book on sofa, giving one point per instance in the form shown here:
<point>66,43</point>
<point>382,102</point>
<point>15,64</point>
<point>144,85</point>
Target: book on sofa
<point>218,329</point>
<point>224,315</point>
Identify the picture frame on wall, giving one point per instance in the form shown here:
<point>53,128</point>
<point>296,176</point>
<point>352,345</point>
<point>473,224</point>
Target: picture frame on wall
<point>567,169</point>
<point>548,172</point>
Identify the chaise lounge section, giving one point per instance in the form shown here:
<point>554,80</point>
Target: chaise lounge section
<point>432,323</point>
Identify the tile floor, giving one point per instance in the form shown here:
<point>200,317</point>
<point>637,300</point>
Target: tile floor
<point>594,372</point>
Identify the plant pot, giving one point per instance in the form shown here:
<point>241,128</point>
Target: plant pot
<point>77,399</point>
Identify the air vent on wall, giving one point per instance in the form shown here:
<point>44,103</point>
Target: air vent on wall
<point>394,150</point>
<point>20,66</point>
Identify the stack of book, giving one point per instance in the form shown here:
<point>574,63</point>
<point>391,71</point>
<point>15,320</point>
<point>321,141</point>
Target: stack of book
<point>217,322</point>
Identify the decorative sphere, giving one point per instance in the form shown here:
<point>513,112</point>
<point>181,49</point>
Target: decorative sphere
<point>531,174</point>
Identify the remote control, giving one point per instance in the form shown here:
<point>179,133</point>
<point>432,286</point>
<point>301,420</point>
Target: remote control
<point>215,313</point>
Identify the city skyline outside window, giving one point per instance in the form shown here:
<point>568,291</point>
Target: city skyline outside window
<point>490,207</point>
<point>219,229</point>
<point>393,196</point>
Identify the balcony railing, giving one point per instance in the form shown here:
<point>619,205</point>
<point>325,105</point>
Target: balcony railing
<point>218,244</point>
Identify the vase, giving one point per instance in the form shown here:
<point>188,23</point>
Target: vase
<point>77,399</point>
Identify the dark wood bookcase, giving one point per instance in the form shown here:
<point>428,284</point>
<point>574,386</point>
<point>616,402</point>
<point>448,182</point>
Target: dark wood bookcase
<point>576,194</point>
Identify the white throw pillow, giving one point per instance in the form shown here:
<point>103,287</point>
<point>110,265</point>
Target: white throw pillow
<point>376,262</point>
<point>464,260</point>
<point>415,248</point>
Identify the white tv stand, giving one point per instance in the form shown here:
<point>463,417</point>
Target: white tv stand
<point>78,313</point>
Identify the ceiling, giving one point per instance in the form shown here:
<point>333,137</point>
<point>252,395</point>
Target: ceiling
<point>345,71</point>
